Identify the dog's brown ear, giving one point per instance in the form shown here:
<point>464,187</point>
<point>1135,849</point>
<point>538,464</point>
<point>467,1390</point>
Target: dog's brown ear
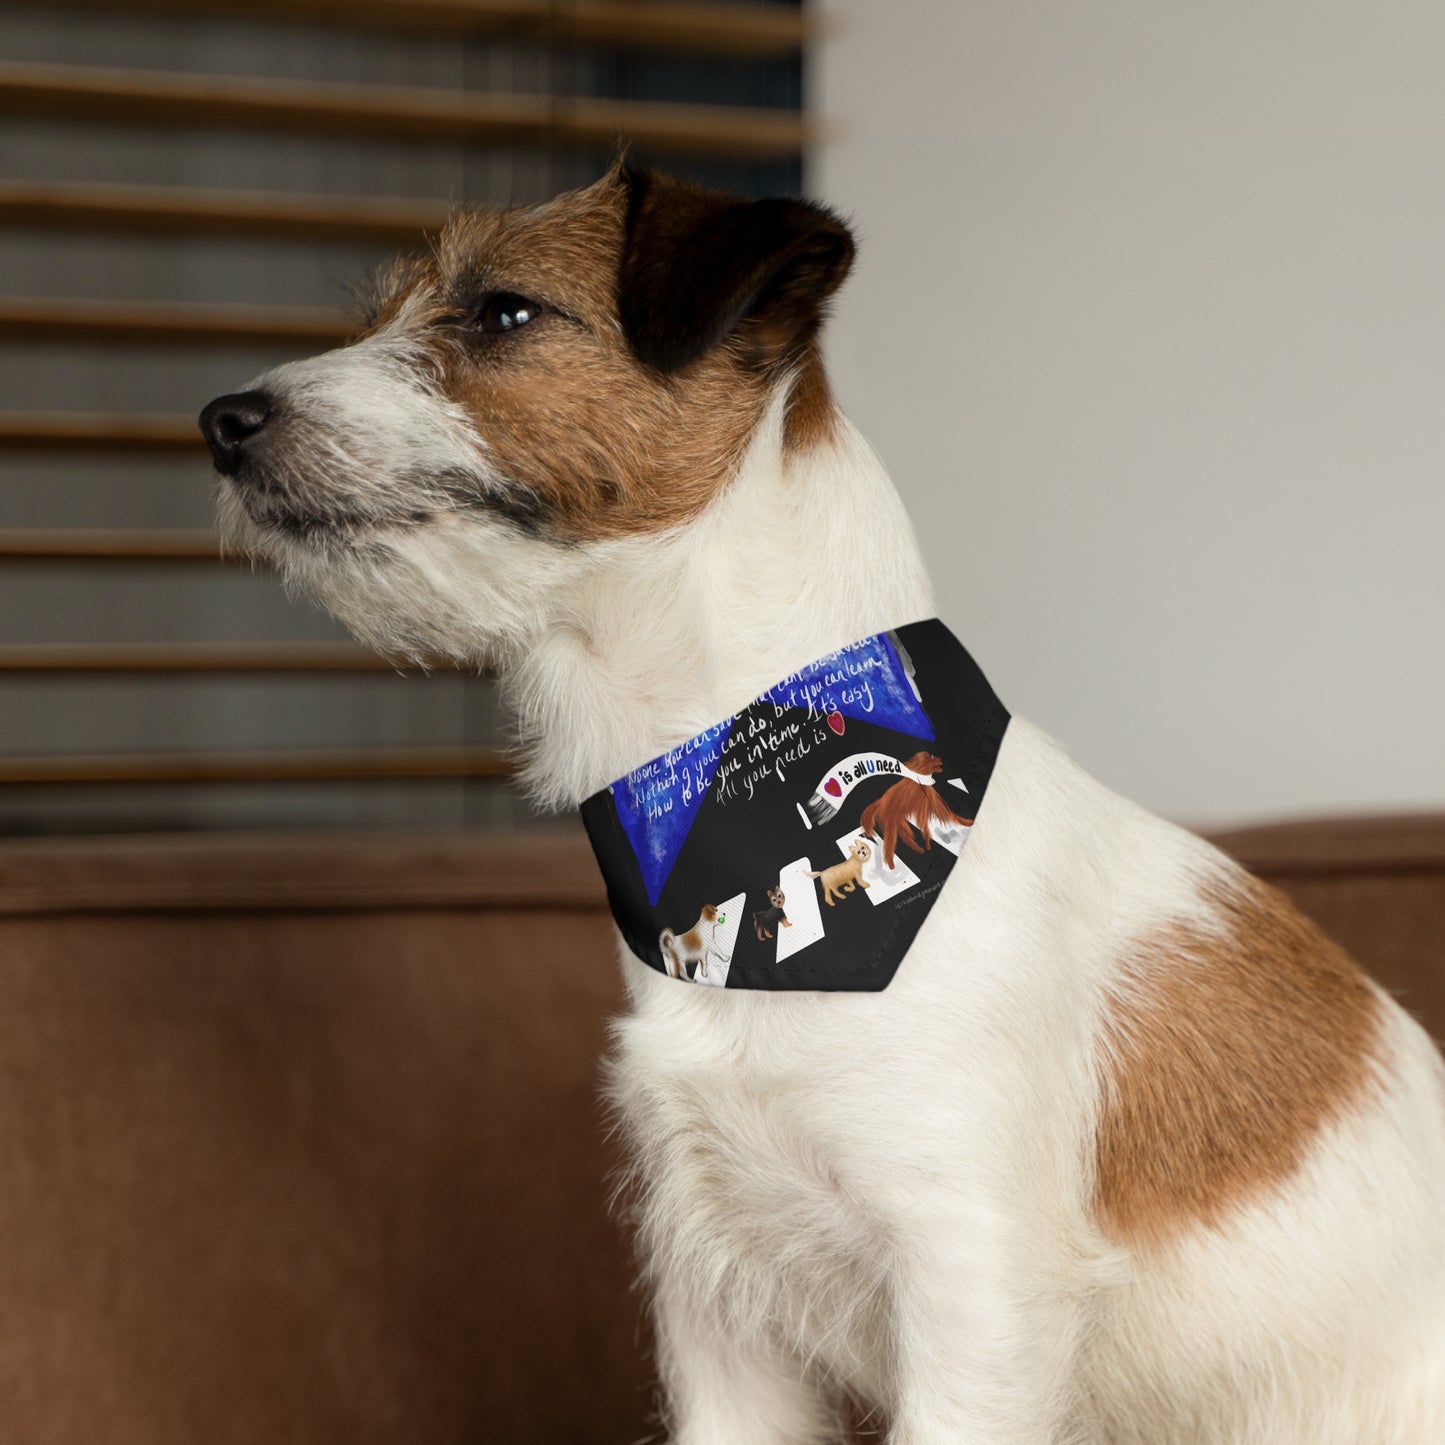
<point>699,267</point>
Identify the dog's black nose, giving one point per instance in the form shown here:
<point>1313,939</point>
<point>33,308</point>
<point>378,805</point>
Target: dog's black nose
<point>229,422</point>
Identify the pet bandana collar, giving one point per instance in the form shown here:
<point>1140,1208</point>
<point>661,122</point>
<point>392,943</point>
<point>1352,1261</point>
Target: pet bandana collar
<point>801,843</point>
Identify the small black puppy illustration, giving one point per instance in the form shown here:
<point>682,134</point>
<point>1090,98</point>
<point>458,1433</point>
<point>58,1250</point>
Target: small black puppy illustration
<point>765,917</point>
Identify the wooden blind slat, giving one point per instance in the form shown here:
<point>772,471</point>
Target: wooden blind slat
<point>189,657</point>
<point>223,102</point>
<point>755,32</point>
<point>168,210</point>
<point>704,29</point>
<point>66,544</point>
<point>170,323</point>
<point>67,431</point>
<point>359,764</point>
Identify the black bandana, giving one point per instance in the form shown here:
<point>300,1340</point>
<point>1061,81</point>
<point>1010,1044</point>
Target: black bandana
<point>801,843</point>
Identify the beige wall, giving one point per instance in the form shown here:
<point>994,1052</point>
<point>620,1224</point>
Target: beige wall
<point>1149,324</point>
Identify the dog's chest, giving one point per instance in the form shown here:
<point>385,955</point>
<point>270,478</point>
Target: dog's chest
<point>746,1161</point>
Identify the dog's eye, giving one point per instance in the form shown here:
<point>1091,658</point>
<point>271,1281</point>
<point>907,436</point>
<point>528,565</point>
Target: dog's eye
<point>505,311</point>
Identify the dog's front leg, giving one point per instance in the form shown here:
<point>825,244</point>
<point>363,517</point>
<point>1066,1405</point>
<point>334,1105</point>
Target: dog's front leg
<point>986,1347</point>
<point>723,1389</point>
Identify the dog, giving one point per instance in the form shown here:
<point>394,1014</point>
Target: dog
<point>910,805</point>
<point>697,945</point>
<point>765,918</point>
<point>1127,1153</point>
<point>844,877</point>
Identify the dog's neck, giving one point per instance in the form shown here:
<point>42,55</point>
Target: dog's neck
<point>655,640</point>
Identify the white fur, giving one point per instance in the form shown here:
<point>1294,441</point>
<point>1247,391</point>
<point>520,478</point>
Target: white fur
<point>889,1193</point>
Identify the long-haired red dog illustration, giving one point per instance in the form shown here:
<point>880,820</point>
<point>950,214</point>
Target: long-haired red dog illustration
<point>908,806</point>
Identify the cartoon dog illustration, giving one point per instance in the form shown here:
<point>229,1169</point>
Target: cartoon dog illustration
<point>697,945</point>
<point>844,877</point>
<point>909,805</point>
<point>764,918</point>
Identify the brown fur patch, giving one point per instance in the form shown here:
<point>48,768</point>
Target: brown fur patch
<point>594,442</point>
<point>1226,1054</point>
<point>591,441</point>
<point>598,445</point>
<point>812,418</point>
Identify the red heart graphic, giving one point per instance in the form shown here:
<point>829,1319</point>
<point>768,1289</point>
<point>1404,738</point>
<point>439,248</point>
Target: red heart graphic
<point>835,721</point>
<point>832,789</point>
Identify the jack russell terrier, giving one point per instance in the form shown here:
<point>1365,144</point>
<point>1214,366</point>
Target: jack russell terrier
<point>1125,1152</point>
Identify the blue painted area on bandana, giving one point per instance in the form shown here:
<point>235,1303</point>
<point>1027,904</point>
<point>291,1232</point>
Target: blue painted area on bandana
<point>658,802</point>
<point>866,681</point>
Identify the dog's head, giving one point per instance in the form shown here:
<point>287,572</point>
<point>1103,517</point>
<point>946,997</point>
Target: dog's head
<point>776,898</point>
<point>860,850</point>
<point>925,765</point>
<point>562,377</point>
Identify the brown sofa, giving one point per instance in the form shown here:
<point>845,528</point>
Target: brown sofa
<point>300,1141</point>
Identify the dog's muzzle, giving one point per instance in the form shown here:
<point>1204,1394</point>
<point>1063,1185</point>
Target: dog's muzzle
<point>231,425</point>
